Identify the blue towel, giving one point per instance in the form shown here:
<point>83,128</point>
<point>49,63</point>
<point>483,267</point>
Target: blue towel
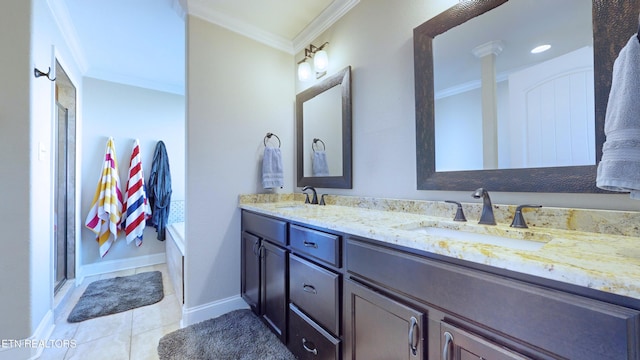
<point>320,165</point>
<point>619,169</point>
<point>272,174</point>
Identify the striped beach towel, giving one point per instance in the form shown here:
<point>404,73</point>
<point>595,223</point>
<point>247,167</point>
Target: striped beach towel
<point>136,207</point>
<point>106,209</point>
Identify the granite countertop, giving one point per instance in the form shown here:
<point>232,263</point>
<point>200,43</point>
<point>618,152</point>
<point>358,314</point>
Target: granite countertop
<point>601,261</point>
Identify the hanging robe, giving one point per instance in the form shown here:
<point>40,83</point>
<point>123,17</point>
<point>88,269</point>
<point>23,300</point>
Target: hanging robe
<point>160,190</point>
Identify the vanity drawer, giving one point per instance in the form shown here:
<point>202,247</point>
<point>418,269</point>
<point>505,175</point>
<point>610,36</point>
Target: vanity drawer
<point>307,340</point>
<point>265,227</point>
<point>316,244</point>
<point>316,291</point>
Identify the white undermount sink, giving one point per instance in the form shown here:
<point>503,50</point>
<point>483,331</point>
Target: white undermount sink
<point>290,207</point>
<point>517,239</point>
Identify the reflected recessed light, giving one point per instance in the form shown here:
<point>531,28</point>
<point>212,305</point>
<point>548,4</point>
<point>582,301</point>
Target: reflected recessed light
<point>541,48</point>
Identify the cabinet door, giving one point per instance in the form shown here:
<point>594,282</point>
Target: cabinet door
<point>458,344</point>
<point>381,328</point>
<point>250,273</point>
<point>274,288</point>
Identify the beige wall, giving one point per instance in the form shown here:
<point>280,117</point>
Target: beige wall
<point>237,91</point>
<point>14,174</point>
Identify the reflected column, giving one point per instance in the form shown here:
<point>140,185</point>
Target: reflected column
<point>487,54</point>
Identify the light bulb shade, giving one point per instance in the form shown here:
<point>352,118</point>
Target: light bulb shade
<point>320,61</point>
<point>304,71</point>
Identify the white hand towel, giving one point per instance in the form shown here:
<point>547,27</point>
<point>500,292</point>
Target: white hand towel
<point>319,164</point>
<point>272,174</point>
<point>619,169</point>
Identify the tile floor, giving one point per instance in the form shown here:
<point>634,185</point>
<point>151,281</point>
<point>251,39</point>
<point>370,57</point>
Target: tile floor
<point>131,335</point>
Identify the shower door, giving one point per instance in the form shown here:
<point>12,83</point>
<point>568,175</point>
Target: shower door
<point>60,201</point>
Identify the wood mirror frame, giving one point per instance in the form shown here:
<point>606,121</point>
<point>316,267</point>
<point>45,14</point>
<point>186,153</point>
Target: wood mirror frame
<point>342,79</point>
<point>613,23</point>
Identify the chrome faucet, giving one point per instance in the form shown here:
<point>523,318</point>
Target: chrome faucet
<point>486,217</point>
<point>315,194</point>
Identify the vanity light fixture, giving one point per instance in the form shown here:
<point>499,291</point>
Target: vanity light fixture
<point>304,70</point>
<point>320,62</point>
<point>541,48</point>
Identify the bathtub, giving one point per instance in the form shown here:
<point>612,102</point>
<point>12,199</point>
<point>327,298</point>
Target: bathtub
<point>175,257</point>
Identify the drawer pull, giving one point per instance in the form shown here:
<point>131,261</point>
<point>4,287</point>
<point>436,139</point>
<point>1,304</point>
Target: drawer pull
<point>314,351</point>
<point>309,288</point>
<point>414,336</point>
<point>310,244</point>
<point>448,340</point>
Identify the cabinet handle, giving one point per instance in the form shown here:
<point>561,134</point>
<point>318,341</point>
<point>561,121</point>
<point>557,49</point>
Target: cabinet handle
<point>309,288</point>
<point>260,251</point>
<point>414,336</point>
<point>310,244</point>
<point>314,351</point>
<point>256,249</point>
<point>448,340</point>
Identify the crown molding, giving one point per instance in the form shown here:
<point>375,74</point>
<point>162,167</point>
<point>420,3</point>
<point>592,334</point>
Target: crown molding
<point>328,17</point>
<point>468,86</point>
<point>245,29</point>
<point>63,20</point>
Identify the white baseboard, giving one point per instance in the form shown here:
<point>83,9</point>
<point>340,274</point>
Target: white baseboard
<point>211,310</point>
<point>32,347</point>
<point>105,267</point>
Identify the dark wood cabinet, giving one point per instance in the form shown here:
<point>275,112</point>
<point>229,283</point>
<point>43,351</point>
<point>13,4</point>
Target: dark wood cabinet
<point>529,319</point>
<point>329,295</point>
<point>264,274</point>
<point>274,288</point>
<point>250,274</point>
<point>378,327</point>
<point>459,344</point>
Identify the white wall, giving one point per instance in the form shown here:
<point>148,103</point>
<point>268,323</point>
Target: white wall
<point>376,39</point>
<point>127,113</point>
<point>237,91</point>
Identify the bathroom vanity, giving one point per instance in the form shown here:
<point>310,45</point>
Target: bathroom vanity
<point>344,282</point>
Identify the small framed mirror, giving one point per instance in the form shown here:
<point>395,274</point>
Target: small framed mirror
<point>323,133</point>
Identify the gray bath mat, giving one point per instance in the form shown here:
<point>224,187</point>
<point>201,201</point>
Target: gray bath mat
<point>110,296</point>
<point>238,335</point>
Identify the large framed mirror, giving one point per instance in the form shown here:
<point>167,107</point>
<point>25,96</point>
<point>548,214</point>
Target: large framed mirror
<point>323,133</point>
<point>503,150</point>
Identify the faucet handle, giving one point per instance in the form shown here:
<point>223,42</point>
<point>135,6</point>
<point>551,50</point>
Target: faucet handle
<point>518,218</point>
<point>314,200</point>
<point>459,212</point>
<point>322,199</point>
<point>306,198</point>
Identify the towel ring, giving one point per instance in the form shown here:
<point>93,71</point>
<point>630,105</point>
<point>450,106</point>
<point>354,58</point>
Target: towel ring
<point>315,142</point>
<point>268,136</point>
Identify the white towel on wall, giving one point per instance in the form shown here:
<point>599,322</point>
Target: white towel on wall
<point>619,169</point>
<point>272,173</point>
<point>320,167</point>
